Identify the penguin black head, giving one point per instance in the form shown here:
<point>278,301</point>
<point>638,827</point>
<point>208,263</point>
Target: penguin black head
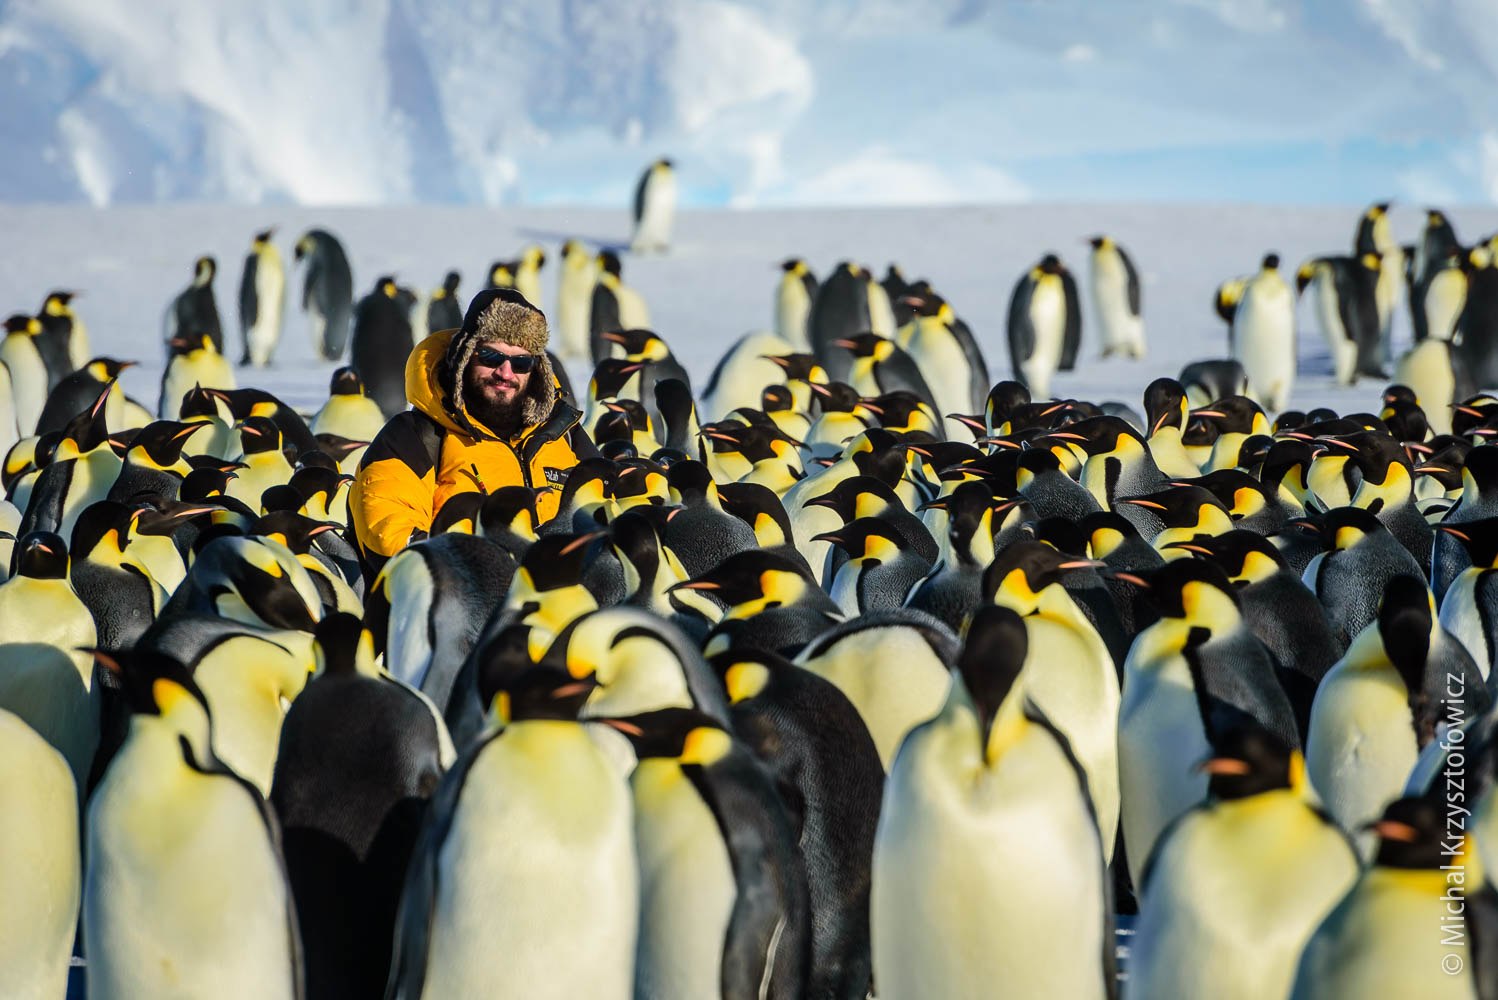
<point>1050,264</point>
<point>57,301</point>
<point>1245,556</point>
<point>1025,568</point>
<point>611,375</point>
<point>346,382</point>
<point>639,477</point>
<point>1178,506</point>
<point>667,457</point>
<point>1061,533</point>
<point>683,734</point>
<point>162,441</point>
<point>204,268</point>
<point>1165,405</point>
<point>97,521</point>
<point>502,273</point>
<point>556,561</point>
<point>636,417</point>
<point>154,682</point>
<point>858,496</point>
<point>869,538</point>
<point>1344,527</point>
<point>107,369</point>
<point>1176,587</point>
<point>1479,538</point>
<point>835,397</point>
<point>865,345</point>
<point>1411,835</point>
<point>1248,760</point>
<point>42,555</point>
<point>798,367</point>
<point>1404,623</point>
<point>608,262</point>
<point>264,235</point>
<point>634,538</point>
<point>284,497</point>
<point>1271,262</point>
<point>1105,530</point>
<point>23,324</point>
<point>86,431</point>
<point>1097,242</point>
<point>635,342</point>
<point>518,690</point>
<point>1234,415</point>
<point>790,264</point>
<point>336,641</point>
<point>899,410</point>
<point>1003,399</point>
<point>259,434</point>
<point>690,480</point>
<point>776,399</point>
<point>291,529</point>
<point>206,484</point>
<point>751,576</point>
<point>450,284</point>
<point>509,510</point>
<point>993,655</point>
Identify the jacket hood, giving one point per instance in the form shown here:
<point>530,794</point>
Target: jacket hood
<point>434,384</point>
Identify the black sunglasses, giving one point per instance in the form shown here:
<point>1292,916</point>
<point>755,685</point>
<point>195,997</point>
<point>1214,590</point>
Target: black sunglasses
<point>520,364</point>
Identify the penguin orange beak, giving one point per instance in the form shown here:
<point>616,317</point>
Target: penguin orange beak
<point>1190,547</point>
<point>1151,504</point>
<point>614,406</point>
<point>1133,578</point>
<point>967,421</point>
<point>829,536</point>
<point>1001,442</point>
<point>845,344</point>
<point>1218,414</point>
<point>1454,532</point>
<point>1224,765</point>
<point>1082,564</point>
<point>580,541</point>
<point>617,338</point>
<point>188,431</point>
<point>1391,829</point>
<point>695,585</point>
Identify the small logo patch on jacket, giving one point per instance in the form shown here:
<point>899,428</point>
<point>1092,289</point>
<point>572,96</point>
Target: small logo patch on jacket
<point>556,477</point>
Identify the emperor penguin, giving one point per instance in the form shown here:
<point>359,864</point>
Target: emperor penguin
<point>794,295</point>
<point>444,312</point>
<point>576,278</point>
<point>64,339</point>
<point>149,929</point>
<point>1116,299</point>
<point>1345,289</point>
<point>194,311</point>
<point>1426,368</point>
<point>1380,704</point>
<point>1445,295</point>
<point>615,306</point>
<point>262,300</point>
<point>1263,336</point>
<point>82,469</point>
<point>839,310</point>
<point>1045,325</point>
<point>528,274</point>
<point>1469,607</point>
<point>327,291</point>
<point>29,381</point>
<point>1200,654</point>
<point>46,676</point>
<point>723,893</point>
<point>1391,935</point>
<point>1238,884</point>
<point>80,390</point>
<point>1376,236</point>
<point>349,412</point>
<point>346,820</point>
<point>380,345</point>
<point>534,822</point>
<point>989,778</point>
<point>655,208</point>
<point>265,464</point>
<point>193,363</point>
<point>948,355</point>
<point>41,868</point>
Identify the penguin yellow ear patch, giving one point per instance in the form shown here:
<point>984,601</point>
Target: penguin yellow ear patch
<point>745,680</point>
<point>168,694</point>
<point>704,746</point>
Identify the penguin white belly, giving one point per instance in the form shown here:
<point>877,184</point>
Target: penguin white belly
<point>1048,319</point>
<point>1385,940</point>
<point>158,558</point>
<point>28,376</point>
<point>527,283</point>
<point>1076,686</point>
<point>1445,297</point>
<point>687,887</point>
<point>1361,744</point>
<point>1390,286</point>
<point>9,428</point>
<point>42,685</point>
<point>209,370</point>
<point>745,373</point>
<point>1426,368</point>
<point>80,352</point>
<point>945,368</point>
<point>1160,739</point>
<point>537,885</point>
<point>266,469</point>
<point>270,297</point>
<point>41,873</point>
<point>1234,894</point>
<point>184,896</point>
<point>93,475</point>
<point>357,418</point>
<point>1169,453</point>
<point>1344,352</point>
<point>1123,332</point>
<point>1460,615</point>
<point>633,315</point>
<point>653,231</point>
<point>245,681</point>
<point>574,304</point>
<point>1264,343</point>
<point>891,676</point>
<point>967,897</point>
<point>844,589</point>
<point>792,307</point>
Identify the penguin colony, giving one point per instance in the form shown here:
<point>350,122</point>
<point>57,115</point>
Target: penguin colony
<point>850,672</point>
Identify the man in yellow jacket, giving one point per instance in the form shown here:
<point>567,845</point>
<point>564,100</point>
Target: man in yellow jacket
<point>486,412</point>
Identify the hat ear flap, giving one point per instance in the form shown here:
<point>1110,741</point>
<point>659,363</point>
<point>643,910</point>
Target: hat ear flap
<point>540,392</point>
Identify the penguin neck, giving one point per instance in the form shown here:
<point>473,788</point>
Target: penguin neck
<point>1395,490</point>
<point>638,676</point>
<point>154,744</point>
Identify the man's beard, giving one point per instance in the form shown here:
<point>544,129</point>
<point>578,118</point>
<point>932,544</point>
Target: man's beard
<point>500,417</point>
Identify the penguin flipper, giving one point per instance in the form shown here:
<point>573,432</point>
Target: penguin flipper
<point>1021,330</point>
<point>1133,281</point>
<point>640,194</point>
<point>1071,338</point>
<point>978,378</point>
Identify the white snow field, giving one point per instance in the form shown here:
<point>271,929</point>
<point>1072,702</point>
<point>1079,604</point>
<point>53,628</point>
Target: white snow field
<point>717,282</point>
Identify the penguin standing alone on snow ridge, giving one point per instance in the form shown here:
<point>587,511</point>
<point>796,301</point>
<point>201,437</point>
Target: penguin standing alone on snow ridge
<point>1263,335</point>
<point>1115,299</point>
<point>262,300</point>
<point>381,344</point>
<point>327,291</point>
<point>655,208</point>
<point>1045,325</point>
<point>194,310</point>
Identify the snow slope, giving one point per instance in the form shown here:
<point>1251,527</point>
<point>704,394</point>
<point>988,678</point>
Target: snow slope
<point>769,103</point>
<point>716,284</point>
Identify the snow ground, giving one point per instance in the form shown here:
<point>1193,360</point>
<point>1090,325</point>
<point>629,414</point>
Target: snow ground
<point>717,283</point>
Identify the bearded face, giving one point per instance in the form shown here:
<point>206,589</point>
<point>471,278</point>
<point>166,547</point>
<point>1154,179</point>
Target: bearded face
<point>492,391</point>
